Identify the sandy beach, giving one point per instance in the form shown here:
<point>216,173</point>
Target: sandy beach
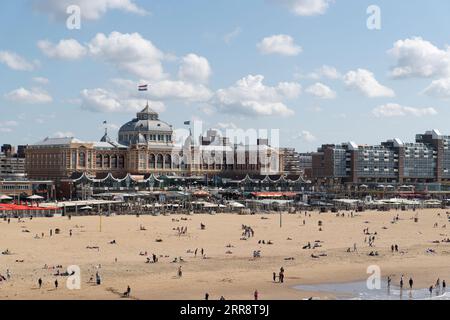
<point>229,268</point>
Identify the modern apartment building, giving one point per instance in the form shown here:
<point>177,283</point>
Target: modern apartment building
<point>427,160</point>
<point>12,164</point>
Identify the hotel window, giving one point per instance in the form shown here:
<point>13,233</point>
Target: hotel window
<point>121,162</point>
<point>74,158</point>
<point>82,159</point>
<point>99,161</point>
<point>106,163</point>
<point>114,161</point>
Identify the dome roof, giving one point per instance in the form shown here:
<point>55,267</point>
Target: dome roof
<point>147,120</point>
<point>145,125</point>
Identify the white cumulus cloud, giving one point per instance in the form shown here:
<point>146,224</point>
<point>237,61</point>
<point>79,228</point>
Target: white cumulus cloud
<point>279,44</point>
<point>439,89</point>
<point>249,96</point>
<point>417,57</point>
<point>319,90</point>
<point>306,136</point>
<point>326,72</point>
<point>396,110</point>
<point>194,68</point>
<point>90,9</point>
<point>33,96</point>
<point>365,82</point>
<point>66,49</point>
<point>102,100</point>
<point>305,7</point>
<point>128,52</point>
<point>15,61</point>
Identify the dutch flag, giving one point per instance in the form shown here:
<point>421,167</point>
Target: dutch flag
<point>143,87</point>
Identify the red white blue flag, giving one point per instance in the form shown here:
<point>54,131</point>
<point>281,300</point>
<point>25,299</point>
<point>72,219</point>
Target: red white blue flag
<point>143,87</point>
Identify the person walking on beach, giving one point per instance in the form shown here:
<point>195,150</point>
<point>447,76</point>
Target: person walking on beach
<point>256,294</point>
<point>56,284</point>
<point>281,275</point>
<point>128,291</point>
<point>411,282</point>
<point>444,285</point>
<point>274,277</point>
<point>401,283</point>
<point>40,283</point>
<point>180,272</point>
<point>207,296</point>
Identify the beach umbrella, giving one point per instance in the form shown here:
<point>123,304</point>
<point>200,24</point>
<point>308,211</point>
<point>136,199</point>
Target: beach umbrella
<point>3,197</point>
<point>86,208</point>
<point>35,197</point>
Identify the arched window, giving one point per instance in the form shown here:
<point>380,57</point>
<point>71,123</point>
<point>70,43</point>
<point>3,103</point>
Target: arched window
<point>159,161</point>
<point>99,161</point>
<point>121,162</point>
<point>151,161</point>
<point>176,161</point>
<point>114,162</point>
<point>168,161</point>
<point>82,159</point>
<point>106,163</point>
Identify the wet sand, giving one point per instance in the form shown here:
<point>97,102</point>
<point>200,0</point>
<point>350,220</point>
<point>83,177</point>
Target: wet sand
<point>234,275</point>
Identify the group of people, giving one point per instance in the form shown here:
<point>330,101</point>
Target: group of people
<point>248,231</point>
<point>40,283</point>
<point>438,286</point>
<point>153,259</point>
<point>280,276</point>
<point>181,230</point>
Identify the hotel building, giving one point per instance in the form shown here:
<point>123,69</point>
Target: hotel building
<point>145,147</point>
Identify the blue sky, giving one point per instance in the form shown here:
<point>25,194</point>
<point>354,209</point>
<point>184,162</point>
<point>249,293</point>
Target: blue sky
<point>232,64</point>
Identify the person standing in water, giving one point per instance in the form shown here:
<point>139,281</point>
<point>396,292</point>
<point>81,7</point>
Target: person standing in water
<point>411,282</point>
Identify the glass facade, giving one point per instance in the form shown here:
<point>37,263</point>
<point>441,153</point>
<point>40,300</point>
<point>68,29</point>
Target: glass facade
<point>377,162</point>
<point>420,161</point>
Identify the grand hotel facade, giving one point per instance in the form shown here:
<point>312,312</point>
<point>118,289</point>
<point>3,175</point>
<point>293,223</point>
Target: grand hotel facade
<point>145,147</point>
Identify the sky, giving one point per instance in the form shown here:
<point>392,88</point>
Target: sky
<point>319,71</point>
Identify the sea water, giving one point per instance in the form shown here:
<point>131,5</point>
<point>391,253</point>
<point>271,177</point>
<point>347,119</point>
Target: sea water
<point>359,291</point>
